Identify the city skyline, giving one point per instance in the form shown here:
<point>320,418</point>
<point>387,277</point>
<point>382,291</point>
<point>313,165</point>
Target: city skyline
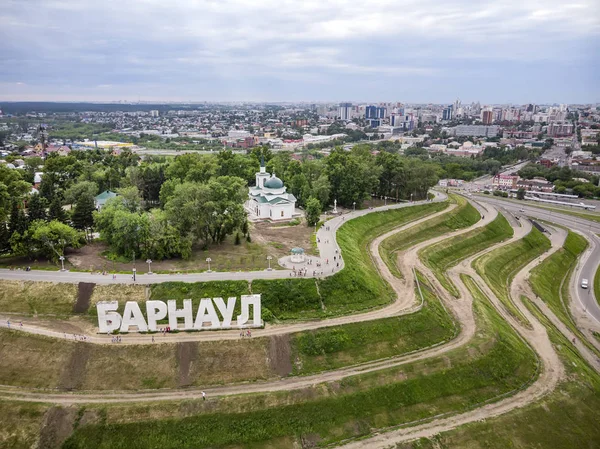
<point>416,52</point>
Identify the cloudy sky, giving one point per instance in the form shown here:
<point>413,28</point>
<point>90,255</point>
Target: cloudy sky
<point>494,51</point>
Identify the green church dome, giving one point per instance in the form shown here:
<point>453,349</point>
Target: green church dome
<point>274,183</point>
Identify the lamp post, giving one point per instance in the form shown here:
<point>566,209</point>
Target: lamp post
<point>385,200</point>
<point>134,270</point>
<point>149,262</point>
<point>208,261</point>
<point>354,206</point>
<point>62,262</point>
<point>269,258</point>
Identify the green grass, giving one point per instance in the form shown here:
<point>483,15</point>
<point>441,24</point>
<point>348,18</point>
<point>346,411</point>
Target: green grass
<point>334,347</point>
<point>288,299</point>
<point>597,285</point>
<point>359,286</point>
<point>495,363</point>
<point>567,418</point>
<point>33,298</point>
<point>448,253</point>
<point>463,216</point>
<point>550,280</point>
<point>499,267</point>
<point>20,424</point>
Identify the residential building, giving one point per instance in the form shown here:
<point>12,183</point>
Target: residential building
<point>505,181</point>
<point>535,185</point>
<point>475,130</point>
<point>101,199</point>
<point>487,117</point>
<point>560,129</point>
<point>345,111</point>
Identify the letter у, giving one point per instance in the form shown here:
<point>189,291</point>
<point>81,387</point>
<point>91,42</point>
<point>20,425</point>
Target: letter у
<point>226,312</point>
<point>248,300</point>
<point>108,319</point>
<point>185,313</point>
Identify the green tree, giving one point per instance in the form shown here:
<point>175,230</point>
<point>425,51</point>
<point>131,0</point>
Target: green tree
<point>36,207</point>
<point>521,194</point>
<point>48,239</point>
<point>313,211</point>
<point>353,178</point>
<point>83,214</point>
<point>208,212</point>
<point>73,193</point>
<point>131,198</point>
<point>18,220</point>
<point>56,211</point>
<point>321,189</point>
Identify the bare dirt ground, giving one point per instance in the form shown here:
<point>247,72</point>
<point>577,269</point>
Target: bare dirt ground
<point>280,358</point>
<point>268,239</point>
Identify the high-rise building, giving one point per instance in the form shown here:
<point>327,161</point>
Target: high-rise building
<point>560,129</point>
<point>371,112</point>
<point>447,113</point>
<point>344,111</point>
<point>487,117</point>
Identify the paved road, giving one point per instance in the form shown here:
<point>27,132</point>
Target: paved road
<point>328,249</point>
<point>590,259</point>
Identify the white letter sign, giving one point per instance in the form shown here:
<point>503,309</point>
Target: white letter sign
<point>207,317</point>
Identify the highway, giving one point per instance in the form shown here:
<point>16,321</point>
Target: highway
<point>588,264</point>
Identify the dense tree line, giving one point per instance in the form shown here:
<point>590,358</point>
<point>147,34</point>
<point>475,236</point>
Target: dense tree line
<point>167,206</point>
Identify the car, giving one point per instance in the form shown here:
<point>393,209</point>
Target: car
<point>522,211</point>
<point>584,283</point>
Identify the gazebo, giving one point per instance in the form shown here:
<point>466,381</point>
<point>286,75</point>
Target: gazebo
<point>297,255</point>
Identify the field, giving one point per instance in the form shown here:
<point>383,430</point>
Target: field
<point>464,215</point>
<point>447,253</point>
<point>496,362</point>
<point>499,267</point>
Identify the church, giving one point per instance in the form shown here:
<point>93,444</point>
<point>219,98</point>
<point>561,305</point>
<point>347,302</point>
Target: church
<point>269,200</point>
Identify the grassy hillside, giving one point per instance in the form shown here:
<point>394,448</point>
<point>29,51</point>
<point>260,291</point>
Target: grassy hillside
<point>499,267</point>
<point>496,362</point>
<point>334,347</point>
<point>359,286</point>
<point>566,418</point>
<point>448,253</point>
<point>463,216</point>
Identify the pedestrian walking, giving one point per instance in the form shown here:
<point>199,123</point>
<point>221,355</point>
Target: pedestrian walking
<point>203,396</point>
<point>153,339</point>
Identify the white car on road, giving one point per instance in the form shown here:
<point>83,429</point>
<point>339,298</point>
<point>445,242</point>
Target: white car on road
<point>584,283</point>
